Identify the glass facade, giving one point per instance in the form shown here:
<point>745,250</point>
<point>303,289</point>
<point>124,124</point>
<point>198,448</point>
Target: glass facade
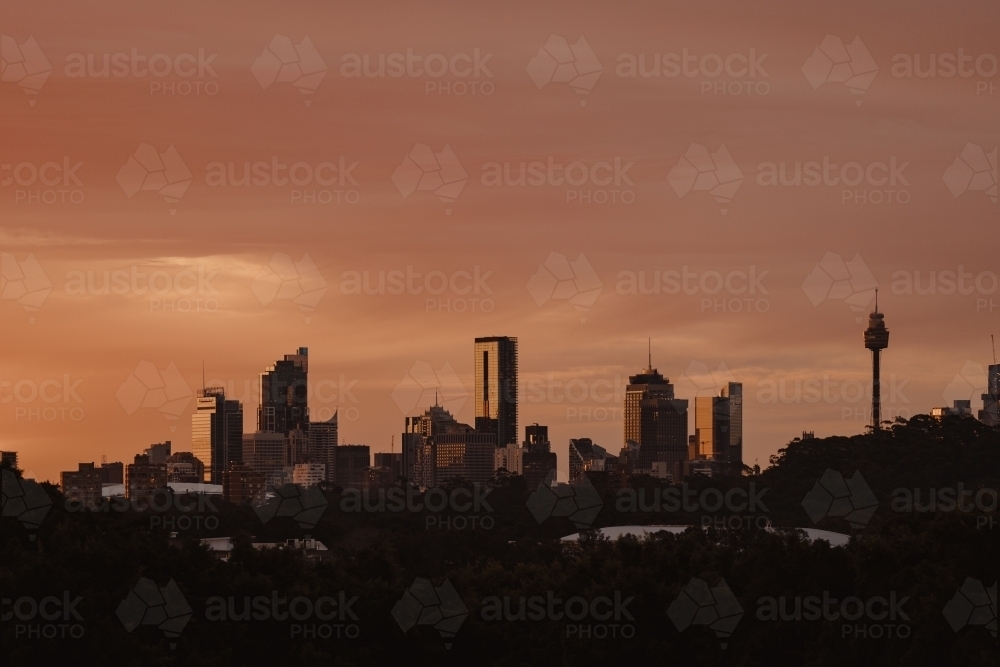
<point>284,395</point>
<point>496,388</point>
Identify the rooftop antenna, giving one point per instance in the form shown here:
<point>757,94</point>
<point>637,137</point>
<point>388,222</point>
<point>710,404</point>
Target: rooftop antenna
<point>994,344</point>
<point>202,376</point>
<point>392,444</point>
<point>649,352</point>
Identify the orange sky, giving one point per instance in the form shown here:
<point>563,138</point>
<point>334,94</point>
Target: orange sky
<point>63,364</point>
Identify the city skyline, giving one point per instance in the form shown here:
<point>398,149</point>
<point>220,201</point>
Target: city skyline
<point>764,279</point>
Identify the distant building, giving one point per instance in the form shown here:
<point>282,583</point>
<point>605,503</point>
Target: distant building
<point>264,452</point>
<point>216,432</point>
<point>284,395</point>
<point>392,461</point>
<point>349,463</point>
<point>185,468</point>
<point>461,454</point>
<point>419,429</point>
<point>323,440</point>
<point>536,438</point>
<point>308,474</point>
<point>242,484</point>
<point>990,414</point>
<point>296,448</point>
<point>718,423</point>
<point>585,456</point>
<point>112,473</point>
<point>8,460</point>
<point>82,486</point>
<point>508,457</point>
<point>143,478</point>
<point>496,387</point>
<point>958,409</point>
<point>379,477</point>
<point>538,467</point>
<point>655,421</point>
<point>158,452</point>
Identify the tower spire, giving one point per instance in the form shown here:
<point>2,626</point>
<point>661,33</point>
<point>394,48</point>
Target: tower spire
<point>649,352</point>
<point>876,340</point>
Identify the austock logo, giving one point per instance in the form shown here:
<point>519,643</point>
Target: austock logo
<point>284,62</point>
<point>305,505</point>
<point>558,61</point>
<point>836,280</point>
<point>836,62</point>
<point>698,604</point>
<point>148,604</point>
<point>282,278</point>
<point>422,384</point>
<point>24,64</point>
<point>974,170</point>
<point>973,604</point>
<point>580,502</point>
<point>424,170</point>
<point>148,170</point>
<point>147,387</point>
<point>24,500</point>
<point>833,496</point>
<point>700,171</point>
<point>24,282</point>
<point>423,603</point>
<point>560,279</point>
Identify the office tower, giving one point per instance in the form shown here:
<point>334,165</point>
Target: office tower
<point>216,432</point>
<point>8,460</point>
<point>462,453</point>
<point>323,439</point>
<point>284,395</point>
<point>185,468</point>
<point>538,467</point>
<point>508,458</point>
<point>143,478</point>
<point>656,422</point>
<point>82,486</point>
<point>241,484</point>
<point>990,414</point>
<point>265,452</point>
<point>585,456</point>
<point>434,420</point>
<point>392,461</point>
<point>349,463</point>
<point>308,474</point>
<point>158,452</point>
<point>876,340</point>
<point>296,448</point>
<point>112,473</point>
<point>496,388</point>
<point>718,427</point>
<point>536,438</point>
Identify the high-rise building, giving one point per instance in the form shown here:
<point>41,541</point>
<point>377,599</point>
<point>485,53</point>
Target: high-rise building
<point>537,467</point>
<point>241,484</point>
<point>508,458</point>
<point>462,453</point>
<point>496,388</point>
<point>265,452</point>
<point>284,395</point>
<point>990,414</point>
<point>185,468</point>
<point>216,432</point>
<point>112,473</point>
<point>718,427</point>
<point>323,439</point>
<point>82,486</point>
<point>143,478</point>
<point>9,460</point>
<point>308,474</point>
<point>536,438</point>
<point>349,463</point>
<point>656,422</point>
<point>158,452</point>
<point>434,420</point>
<point>392,461</point>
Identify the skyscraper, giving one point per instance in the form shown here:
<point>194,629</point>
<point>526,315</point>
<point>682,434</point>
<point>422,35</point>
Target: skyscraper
<point>496,388</point>
<point>434,420</point>
<point>216,432</point>
<point>655,422</point>
<point>323,441</point>
<point>718,424</point>
<point>284,395</point>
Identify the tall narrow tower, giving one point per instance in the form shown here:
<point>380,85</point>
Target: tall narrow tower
<point>876,340</point>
